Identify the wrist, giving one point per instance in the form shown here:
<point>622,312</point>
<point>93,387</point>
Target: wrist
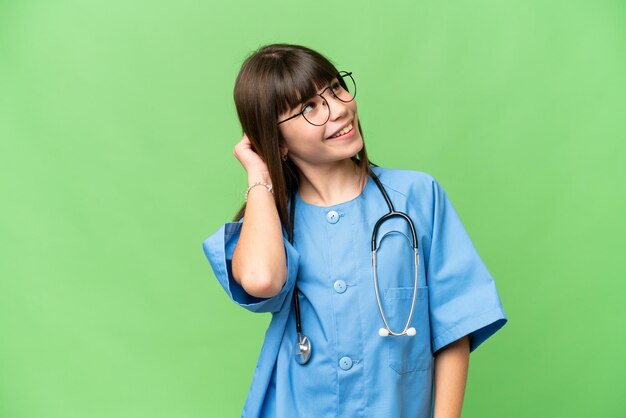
<point>258,183</point>
<point>260,177</point>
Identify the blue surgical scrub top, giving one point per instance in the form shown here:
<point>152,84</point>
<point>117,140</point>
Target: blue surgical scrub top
<point>353,372</point>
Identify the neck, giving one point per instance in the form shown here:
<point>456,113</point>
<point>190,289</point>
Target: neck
<point>330,185</point>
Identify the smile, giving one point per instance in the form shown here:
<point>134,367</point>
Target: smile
<point>344,132</point>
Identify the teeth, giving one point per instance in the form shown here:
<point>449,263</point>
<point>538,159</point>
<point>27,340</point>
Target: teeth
<point>343,131</point>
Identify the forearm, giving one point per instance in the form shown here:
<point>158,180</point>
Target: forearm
<point>259,261</point>
<point>451,366</point>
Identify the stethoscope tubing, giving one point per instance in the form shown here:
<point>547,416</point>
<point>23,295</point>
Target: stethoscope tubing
<point>304,343</point>
<point>383,332</point>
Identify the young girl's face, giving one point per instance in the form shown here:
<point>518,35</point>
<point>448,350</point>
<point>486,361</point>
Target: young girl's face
<point>308,145</point>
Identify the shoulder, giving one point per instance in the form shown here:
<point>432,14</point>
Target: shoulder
<point>406,182</point>
<point>412,191</point>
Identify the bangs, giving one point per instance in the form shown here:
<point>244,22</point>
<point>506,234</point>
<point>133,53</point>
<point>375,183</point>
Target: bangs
<point>294,86</point>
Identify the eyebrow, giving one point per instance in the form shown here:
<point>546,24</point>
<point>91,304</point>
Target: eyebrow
<point>303,101</point>
<point>322,89</point>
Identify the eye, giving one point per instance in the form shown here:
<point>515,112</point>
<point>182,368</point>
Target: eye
<point>308,107</point>
<point>336,86</point>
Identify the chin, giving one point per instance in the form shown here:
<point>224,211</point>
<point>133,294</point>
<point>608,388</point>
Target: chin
<point>356,149</point>
<point>359,141</point>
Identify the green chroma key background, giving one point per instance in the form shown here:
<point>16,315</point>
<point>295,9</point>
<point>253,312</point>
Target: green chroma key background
<point>117,126</point>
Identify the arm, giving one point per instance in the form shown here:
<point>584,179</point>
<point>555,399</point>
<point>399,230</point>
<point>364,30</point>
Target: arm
<point>451,365</point>
<point>259,261</point>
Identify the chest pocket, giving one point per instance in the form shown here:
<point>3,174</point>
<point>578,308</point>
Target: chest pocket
<point>408,354</point>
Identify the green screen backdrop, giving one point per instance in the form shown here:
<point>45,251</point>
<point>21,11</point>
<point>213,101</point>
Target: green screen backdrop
<point>117,126</point>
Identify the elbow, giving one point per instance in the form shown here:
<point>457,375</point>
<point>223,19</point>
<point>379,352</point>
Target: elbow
<point>263,285</point>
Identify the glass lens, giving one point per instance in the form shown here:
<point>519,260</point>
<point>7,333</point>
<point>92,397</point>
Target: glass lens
<point>315,111</point>
<point>344,87</point>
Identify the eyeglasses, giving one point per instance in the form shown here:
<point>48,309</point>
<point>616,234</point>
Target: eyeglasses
<point>316,110</point>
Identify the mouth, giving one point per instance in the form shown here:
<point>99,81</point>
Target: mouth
<point>343,131</point>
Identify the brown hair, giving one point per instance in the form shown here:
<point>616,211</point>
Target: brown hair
<point>272,80</point>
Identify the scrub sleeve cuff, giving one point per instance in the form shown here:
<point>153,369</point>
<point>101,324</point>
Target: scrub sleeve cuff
<point>219,249</point>
<point>479,328</point>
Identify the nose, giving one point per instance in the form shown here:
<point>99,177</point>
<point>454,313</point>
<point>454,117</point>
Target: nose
<point>336,107</point>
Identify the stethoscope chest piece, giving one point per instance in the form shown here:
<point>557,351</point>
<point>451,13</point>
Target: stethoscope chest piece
<point>304,349</point>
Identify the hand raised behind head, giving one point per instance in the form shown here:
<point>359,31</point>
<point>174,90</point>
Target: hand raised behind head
<point>250,160</point>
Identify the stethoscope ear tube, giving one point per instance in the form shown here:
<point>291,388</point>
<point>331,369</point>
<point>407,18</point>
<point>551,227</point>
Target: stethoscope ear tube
<point>384,332</point>
<point>408,330</point>
<point>387,331</point>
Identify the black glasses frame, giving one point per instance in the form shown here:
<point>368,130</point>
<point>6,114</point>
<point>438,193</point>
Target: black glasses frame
<point>340,76</point>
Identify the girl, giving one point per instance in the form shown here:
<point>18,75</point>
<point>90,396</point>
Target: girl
<point>369,318</point>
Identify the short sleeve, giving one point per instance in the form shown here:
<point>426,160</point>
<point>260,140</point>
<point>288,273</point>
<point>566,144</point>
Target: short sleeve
<point>219,249</point>
<point>463,296</point>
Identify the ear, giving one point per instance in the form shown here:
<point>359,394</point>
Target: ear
<point>283,149</point>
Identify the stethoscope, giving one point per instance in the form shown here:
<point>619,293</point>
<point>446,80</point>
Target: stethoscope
<point>303,352</point>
